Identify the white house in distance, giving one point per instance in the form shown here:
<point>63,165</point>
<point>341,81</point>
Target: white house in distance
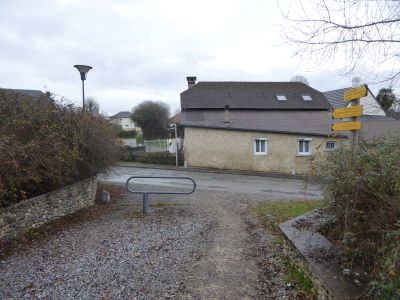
<point>123,118</point>
<point>369,102</point>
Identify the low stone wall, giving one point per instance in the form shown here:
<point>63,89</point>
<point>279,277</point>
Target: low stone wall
<point>319,260</point>
<point>34,212</point>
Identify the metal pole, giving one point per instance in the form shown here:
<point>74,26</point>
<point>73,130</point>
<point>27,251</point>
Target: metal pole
<point>176,145</point>
<point>146,210</point>
<point>83,94</point>
<point>355,134</point>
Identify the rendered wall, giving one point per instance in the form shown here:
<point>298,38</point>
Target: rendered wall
<point>229,149</point>
<point>126,123</point>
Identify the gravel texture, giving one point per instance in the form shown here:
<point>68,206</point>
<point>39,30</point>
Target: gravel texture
<point>200,246</point>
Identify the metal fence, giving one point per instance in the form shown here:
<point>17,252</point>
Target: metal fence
<point>156,145</point>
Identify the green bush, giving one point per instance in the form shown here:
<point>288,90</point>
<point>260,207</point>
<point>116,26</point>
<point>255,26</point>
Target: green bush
<point>140,138</point>
<point>364,192</point>
<point>127,134</point>
<point>46,144</point>
<point>163,158</point>
<point>121,133</point>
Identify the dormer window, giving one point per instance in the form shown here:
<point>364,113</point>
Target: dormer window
<point>306,97</point>
<point>281,97</point>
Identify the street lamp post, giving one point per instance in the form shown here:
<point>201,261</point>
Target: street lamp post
<point>176,142</point>
<point>83,70</point>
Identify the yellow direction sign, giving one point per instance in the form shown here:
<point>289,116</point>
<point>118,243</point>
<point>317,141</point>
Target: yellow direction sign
<point>355,93</point>
<point>346,126</point>
<point>347,112</point>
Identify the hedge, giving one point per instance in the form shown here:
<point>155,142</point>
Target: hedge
<point>46,144</point>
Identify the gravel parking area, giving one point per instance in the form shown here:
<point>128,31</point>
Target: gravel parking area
<point>200,246</point>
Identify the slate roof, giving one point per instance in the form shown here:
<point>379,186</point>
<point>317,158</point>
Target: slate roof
<point>312,123</point>
<point>316,123</point>
<point>175,119</point>
<point>252,95</point>
<point>253,107</point>
<point>122,114</point>
<point>379,127</point>
<point>31,93</point>
<point>335,97</point>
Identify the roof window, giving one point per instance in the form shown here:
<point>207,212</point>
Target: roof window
<point>281,97</point>
<point>306,97</point>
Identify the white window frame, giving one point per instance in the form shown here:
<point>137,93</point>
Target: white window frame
<point>330,149</point>
<point>306,97</point>
<point>309,147</point>
<point>255,146</point>
<point>281,97</point>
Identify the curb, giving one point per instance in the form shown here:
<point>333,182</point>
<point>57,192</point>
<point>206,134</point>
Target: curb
<point>215,171</point>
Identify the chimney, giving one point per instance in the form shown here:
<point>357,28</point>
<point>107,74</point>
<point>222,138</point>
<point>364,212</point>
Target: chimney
<point>227,120</point>
<point>191,81</point>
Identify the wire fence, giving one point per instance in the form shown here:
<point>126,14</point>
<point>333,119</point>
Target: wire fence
<point>156,145</point>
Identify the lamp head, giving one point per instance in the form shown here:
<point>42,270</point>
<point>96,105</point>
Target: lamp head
<point>83,70</point>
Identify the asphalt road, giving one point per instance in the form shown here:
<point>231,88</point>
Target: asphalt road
<point>269,188</point>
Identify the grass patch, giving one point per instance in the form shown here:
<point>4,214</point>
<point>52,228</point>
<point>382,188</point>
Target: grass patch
<point>297,277</point>
<point>271,214</point>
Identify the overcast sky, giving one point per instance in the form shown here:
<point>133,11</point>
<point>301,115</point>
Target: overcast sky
<point>143,50</point>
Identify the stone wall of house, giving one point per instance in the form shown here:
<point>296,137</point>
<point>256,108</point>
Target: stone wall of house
<point>34,212</point>
<point>231,149</point>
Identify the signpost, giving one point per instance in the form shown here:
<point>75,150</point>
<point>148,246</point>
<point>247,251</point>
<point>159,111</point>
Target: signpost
<point>347,112</point>
<point>353,112</point>
<point>356,93</point>
<point>346,126</point>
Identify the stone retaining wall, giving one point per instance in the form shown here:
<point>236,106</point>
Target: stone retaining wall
<point>34,212</point>
<point>319,260</point>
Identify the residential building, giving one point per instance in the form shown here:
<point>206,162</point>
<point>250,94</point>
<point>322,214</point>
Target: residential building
<point>123,118</point>
<point>370,104</point>
<point>260,126</point>
<point>375,123</point>
<point>30,93</point>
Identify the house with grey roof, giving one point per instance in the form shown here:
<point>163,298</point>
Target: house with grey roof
<point>30,93</point>
<point>370,104</point>
<point>260,126</point>
<point>375,123</point>
<point>123,118</point>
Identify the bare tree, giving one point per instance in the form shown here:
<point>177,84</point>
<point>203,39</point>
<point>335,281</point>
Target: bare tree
<point>92,106</point>
<point>300,78</point>
<point>365,34</point>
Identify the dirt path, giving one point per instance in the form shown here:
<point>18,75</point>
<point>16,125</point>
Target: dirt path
<point>226,266</point>
<point>231,260</point>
